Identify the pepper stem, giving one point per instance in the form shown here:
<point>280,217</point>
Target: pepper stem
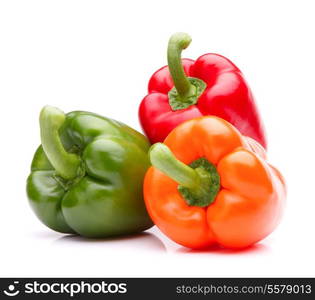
<point>176,44</point>
<point>199,183</point>
<point>186,90</point>
<point>163,159</point>
<point>66,164</point>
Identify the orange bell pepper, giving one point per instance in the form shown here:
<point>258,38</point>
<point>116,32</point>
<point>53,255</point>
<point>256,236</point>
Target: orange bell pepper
<point>210,185</point>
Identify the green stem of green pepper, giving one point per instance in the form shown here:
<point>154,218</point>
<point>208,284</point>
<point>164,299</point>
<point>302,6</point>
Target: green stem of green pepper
<point>66,164</point>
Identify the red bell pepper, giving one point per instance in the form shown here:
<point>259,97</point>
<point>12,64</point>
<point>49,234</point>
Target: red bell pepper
<point>186,89</point>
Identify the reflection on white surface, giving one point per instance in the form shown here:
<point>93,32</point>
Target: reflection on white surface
<point>142,241</point>
<point>254,249</point>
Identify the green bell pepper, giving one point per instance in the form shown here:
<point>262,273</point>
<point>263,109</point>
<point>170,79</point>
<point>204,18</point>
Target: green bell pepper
<point>86,177</point>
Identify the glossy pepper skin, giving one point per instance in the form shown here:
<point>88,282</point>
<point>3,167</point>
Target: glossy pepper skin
<point>215,86</point>
<point>210,185</point>
<point>86,177</point>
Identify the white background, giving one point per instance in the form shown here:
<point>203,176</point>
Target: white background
<point>98,56</point>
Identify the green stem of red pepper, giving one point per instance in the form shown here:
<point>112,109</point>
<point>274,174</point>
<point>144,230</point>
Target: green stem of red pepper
<point>66,164</point>
<point>176,44</point>
<point>199,183</point>
<point>186,90</point>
